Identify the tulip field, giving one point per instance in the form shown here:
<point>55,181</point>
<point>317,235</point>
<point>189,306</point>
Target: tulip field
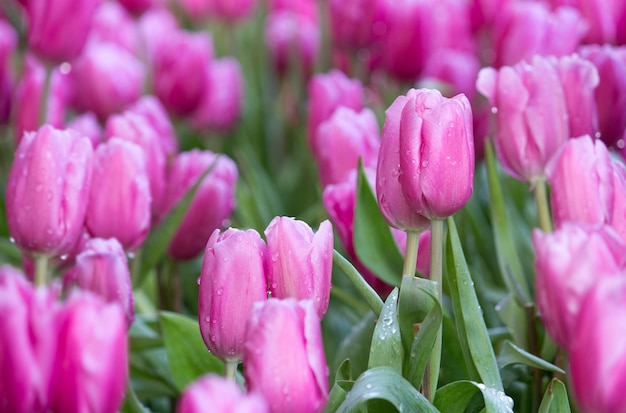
<point>312,206</point>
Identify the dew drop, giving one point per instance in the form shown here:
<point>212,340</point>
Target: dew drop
<point>12,240</point>
<point>494,110</point>
<point>220,291</point>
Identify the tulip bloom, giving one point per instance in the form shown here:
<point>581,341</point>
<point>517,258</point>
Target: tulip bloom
<point>219,395</point>
<point>598,353</point>
<point>569,262</point>
<point>47,190</point>
<point>231,281</point>
<point>301,262</point>
<point>8,42</point>
<point>87,125</point>
<point>211,205</point>
<point>151,109</point>
<point>112,24</point>
<point>119,200</point>
<point>102,268</point>
<point>291,378</point>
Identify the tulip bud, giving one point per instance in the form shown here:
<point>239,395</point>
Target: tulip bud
<point>342,140</point>
<point>87,125</point>
<point>119,200</point>
<point>91,363</point>
<point>353,23</point>
<point>569,262</point>
<point>151,109</point>
<point>8,42</point>
<point>219,395</point>
<point>598,353</point>
<point>140,6</point>
<point>102,268</point>
<point>231,281</point>
<point>47,190</point>
<point>155,27</point>
<point>211,205</point>
<point>291,378</point>
<point>58,30</point>
<point>112,24</point>
<point>301,262</point>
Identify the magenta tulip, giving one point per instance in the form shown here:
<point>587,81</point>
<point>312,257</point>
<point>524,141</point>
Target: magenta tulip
<point>291,378</point>
<point>155,28</point>
<point>87,125</point>
<point>211,205</point>
<point>219,395</point>
<point>8,42</point>
<point>141,6</point>
<point>119,200</point>
<point>301,262</point>
<point>47,190</point>
<point>356,24</point>
<point>232,280</point>
<point>151,109</point>
<point>112,24</point>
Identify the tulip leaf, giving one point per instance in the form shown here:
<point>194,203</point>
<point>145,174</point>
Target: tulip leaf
<point>384,383</point>
<point>155,246</point>
<point>373,242</point>
<point>508,258</point>
<point>473,335</point>
<point>188,356</point>
<point>454,397</point>
<point>555,398</point>
<point>355,346</point>
<point>514,317</point>
<point>386,348</point>
<point>338,393</point>
<point>370,296</point>
<point>511,354</point>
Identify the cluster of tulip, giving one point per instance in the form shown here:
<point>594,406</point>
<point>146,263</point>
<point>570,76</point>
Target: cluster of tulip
<point>159,275</point>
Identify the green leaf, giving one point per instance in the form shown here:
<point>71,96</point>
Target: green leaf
<point>187,354</point>
<point>454,397</point>
<point>141,337</point>
<point>508,258</point>
<point>355,346</point>
<point>514,317</point>
<point>473,335</point>
<point>511,354</point>
<point>555,398</point>
<point>385,383</point>
<point>373,242</point>
<point>386,348</point>
<point>366,291</point>
<point>338,392</point>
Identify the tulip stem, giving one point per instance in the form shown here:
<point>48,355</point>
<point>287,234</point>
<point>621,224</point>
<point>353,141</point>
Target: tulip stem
<point>230,369</point>
<point>410,258</point>
<point>543,208</point>
<point>41,270</point>
<point>365,290</point>
<point>45,95</point>
<point>436,270</point>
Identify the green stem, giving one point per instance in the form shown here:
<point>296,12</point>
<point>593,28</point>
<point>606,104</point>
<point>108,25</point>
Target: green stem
<point>41,270</point>
<point>436,274</point>
<point>363,288</point>
<point>410,258</point>
<point>45,95</point>
<point>543,207</point>
<point>230,369</point>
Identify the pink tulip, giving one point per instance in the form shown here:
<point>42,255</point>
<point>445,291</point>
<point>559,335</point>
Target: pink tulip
<point>344,138</point>
<point>211,205</point>
<point>569,262</point>
<point>47,190</point>
<point>155,28</point>
<point>8,42</point>
<point>112,24</point>
<point>600,17</point>
<point>455,70</point>
<point>301,262</point>
<point>87,125</point>
<point>598,353</point>
<point>102,268</point>
<point>57,30</point>
<point>91,362</point>
<point>151,109</point>
<point>356,24</point>
<point>221,105</point>
<point>141,6</point>
<point>228,10</point>
<point>231,281</point>
<point>119,200</point>
<point>220,395</point>
<point>291,378</point>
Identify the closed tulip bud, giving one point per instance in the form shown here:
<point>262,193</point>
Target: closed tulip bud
<point>327,92</point>
<point>436,153</point>
<point>28,340</point>
<point>57,30</point>
<point>47,190</point>
<point>112,24</point>
<point>134,128</point>
<point>232,280</point>
<point>354,23</point>
<point>219,395</point>
<point>91,362</point>
<point>179,76</point>
<point>8,42</point>
<point>221,104</point>
<point>87,125</point>
<point>301,262</point>
<point>107,79</point>
<point>598,353</point>
<point>102,268</point>
<point>391,201</point>
<point>141,6</point>
<point>155,27</point>
<point>119,200</point>
<point>532,119</point>
<point>151,109</point>
<point>569,262</point>
<point>344,138</point>
<point>211,205</point>
<point>291,378</point>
